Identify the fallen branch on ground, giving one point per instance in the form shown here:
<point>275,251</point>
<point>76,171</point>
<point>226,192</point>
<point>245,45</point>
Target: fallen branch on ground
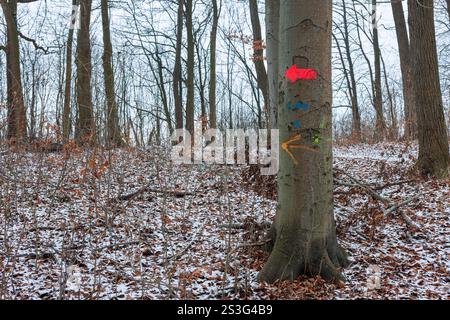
<point>242,226</point>
<point>374,194</point>
<point>392,207</point>
<point>133,195</point>
<point>395,207</point>
<point>391,184</point>
<point>405,218</point>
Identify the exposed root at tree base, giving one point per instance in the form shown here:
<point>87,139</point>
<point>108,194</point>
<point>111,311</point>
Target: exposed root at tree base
<point>285,268</point>
<point>288,261</point>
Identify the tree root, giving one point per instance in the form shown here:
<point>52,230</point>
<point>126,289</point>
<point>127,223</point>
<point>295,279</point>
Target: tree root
<point>287,262</point>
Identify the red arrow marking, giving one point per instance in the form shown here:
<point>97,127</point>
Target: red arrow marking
<point>294,73</point>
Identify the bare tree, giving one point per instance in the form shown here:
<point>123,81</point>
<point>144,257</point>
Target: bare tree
<point>258,54</point>
<point>405,64</point>
<point>448,8</point>
<point>212,65</point>
<point>177,84</point>
<point>433,140</point>
<point>350,75</point>
<point>190,83</point>
<point>66,120</point>
<point>17,123</point>
<point>85,123</point>
<point>304,231</point>
<point>272,31</point>
<point>359,42</point>
<point>380,126</point>
<point>112,116</point>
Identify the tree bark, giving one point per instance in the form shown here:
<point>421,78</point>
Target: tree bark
<point>432,131</point>
<point>405,65</point>
<point>162,89</point>
<point>200,82</point>
<point>305,234</point>
<point>67,92</point>
<point>190,83</point>
<point>448,9</point>
<point>177,69</point>
<point>85,124</point>
<point>272,34</point>
<point>393,130</point>
<point>32,132</point>
<point>258,55</point>
<point>213,73</point>
<point>380,126</point>
<point>17,124</point>
<point>112,117</point>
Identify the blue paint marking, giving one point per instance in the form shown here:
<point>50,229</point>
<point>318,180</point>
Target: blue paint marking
<point>297,124</point>
<point>298,106</point>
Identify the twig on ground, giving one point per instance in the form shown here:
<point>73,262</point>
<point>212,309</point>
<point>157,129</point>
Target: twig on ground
<point>133,195</point>
<point>242,226</point>
<point>395,207</point>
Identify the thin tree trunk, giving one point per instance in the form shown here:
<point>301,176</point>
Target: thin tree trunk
<point>258,56</point>
<point>201,84</point>
<point>32,133</point>
<point>304,231</point>
<point>230,88</point>
<point>112,116</point>
<point>190,106</point>
<point>85,125</point>
<point>213,73</point>
<point>162,89</point>
<point>405,65</point>
<point>363,52</point>
<point>393,130</point>
<point>272,33</point>
<point>67,123</point>
<point>380,125</point>
<point>448,9</point>
<point>177,69</point>
<point>433,140</point>
<point>356,117</point>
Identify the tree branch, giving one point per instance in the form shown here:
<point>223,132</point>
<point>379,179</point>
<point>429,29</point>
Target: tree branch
<point>36,46</point>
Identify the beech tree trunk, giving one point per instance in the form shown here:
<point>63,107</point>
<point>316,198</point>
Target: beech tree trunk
<point>112,116</point>
<point>17,123</point>
<point>304,232</point>
<point>405,64</point>
<point>272,31</point>
<point>85,124</point>
<point>432,131</point>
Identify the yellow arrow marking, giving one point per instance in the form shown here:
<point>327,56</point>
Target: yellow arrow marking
<point>288,145</point>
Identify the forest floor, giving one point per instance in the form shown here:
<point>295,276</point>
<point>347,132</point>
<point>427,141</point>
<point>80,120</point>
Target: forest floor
<point>70,228</point>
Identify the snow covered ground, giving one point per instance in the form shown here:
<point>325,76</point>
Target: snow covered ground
<point>69,229</point>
